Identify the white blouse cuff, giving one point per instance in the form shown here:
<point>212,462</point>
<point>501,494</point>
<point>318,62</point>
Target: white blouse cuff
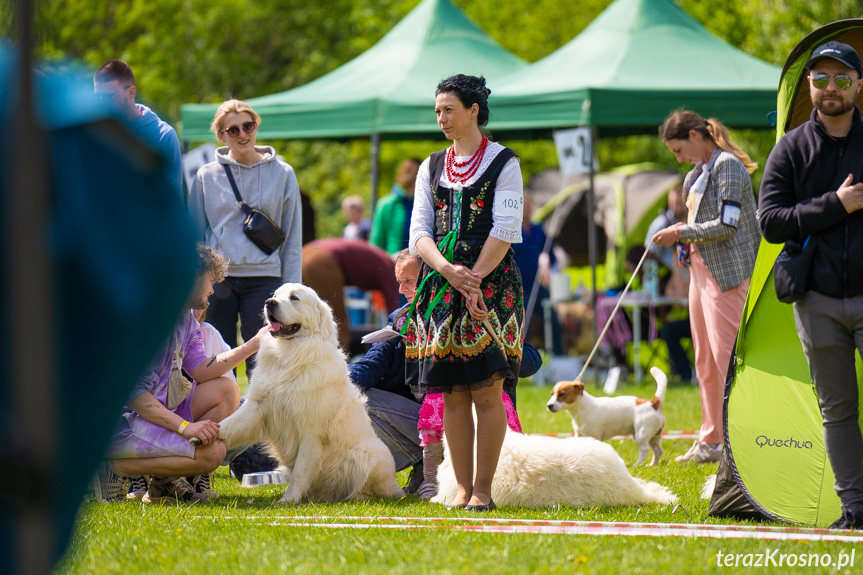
<point>509,236</point>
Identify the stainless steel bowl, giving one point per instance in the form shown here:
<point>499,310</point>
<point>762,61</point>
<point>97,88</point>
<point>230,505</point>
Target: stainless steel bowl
<point>263,478</point>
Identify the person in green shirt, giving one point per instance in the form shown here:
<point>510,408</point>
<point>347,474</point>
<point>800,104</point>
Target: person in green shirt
<point>393,212</point>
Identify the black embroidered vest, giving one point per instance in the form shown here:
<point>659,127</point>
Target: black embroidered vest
<point>476,203</point>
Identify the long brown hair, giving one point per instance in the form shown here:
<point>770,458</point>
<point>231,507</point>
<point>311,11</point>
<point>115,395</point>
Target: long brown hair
<point>679,122</point>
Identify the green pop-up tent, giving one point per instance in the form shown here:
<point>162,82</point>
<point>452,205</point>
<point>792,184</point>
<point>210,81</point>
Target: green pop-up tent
<point>387,90</point>
<point>775,466</point>
<point>624,73</point>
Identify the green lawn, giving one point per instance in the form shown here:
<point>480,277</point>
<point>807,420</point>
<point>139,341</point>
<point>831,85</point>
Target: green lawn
<point>244,532</point>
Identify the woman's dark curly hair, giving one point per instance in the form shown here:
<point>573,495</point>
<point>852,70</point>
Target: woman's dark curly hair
<point>469,90</point>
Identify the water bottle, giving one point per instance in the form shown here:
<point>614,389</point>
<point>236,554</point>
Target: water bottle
<point>651,278</point>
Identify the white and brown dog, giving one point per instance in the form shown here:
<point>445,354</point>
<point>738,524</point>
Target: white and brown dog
<point>605,417</point>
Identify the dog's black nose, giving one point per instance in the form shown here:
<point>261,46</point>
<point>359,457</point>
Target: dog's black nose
<point>272,303</point>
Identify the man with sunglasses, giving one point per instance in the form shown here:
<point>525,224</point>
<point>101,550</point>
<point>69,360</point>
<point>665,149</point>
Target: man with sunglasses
<point>812,189</point>
<point>114,83</point>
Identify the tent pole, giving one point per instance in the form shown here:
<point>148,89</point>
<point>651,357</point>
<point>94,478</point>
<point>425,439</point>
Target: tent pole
<point>591,234</point>
<point>31,353</point>
<point>376,171</point>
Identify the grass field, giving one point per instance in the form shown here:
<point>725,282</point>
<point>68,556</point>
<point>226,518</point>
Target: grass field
<point>244,532</point>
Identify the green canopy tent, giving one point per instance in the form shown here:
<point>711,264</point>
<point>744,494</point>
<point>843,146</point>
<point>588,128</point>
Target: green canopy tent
<point>623,74</point>
<point>389,89</point>
<point>775,466</point>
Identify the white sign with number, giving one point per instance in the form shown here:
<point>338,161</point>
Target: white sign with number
<point>573,150</point>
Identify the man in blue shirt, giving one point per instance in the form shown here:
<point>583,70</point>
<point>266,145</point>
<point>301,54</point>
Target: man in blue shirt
<point>115,83</point>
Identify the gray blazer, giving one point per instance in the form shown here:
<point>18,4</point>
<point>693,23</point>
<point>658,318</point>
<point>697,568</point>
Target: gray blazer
<point>725,230</point>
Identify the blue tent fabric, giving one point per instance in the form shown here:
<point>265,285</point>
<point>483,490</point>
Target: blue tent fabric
<point>123,262</point>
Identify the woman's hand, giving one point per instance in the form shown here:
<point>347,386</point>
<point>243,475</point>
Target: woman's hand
<point>666,237</point>
<point>207,431</point>
<point>463,279</point>
<point>476,306</point>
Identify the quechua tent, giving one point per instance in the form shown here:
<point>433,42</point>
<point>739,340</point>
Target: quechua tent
<point>775,465</point>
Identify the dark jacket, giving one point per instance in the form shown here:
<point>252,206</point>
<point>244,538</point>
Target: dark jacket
<point>798,199</point>
<point>383,366</point>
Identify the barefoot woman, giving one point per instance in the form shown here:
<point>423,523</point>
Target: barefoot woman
<point>467,212</point>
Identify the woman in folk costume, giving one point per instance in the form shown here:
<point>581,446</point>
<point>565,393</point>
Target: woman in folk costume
<point>723,236</point>
<point>466,331</point>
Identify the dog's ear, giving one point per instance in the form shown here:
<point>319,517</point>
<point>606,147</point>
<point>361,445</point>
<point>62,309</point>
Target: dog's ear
<point>325,320</point>
<point>578,387</point>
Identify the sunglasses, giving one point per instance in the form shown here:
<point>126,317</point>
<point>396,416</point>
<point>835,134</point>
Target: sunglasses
<point>111,96</point>
<point>842,81</point>
<point>247,127</point>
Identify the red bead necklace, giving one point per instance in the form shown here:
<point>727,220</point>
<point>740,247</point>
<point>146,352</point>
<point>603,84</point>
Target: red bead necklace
<point>472,164</point>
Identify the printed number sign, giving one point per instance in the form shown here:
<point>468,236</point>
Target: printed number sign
<point>574,148</point>
<point>507,203</point>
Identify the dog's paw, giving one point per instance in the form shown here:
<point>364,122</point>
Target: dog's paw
<point>286,500</point>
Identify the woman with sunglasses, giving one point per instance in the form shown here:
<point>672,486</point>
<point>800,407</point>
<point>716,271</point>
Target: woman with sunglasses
<point>721,236</point>
<point>265,183</point>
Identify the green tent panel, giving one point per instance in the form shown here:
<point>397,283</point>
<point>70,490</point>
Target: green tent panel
<point>389,89</point>
<point>775,452</point>
<point>624,73</point>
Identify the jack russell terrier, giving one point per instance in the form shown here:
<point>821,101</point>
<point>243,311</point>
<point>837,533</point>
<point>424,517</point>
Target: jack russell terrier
<point>605,417</point>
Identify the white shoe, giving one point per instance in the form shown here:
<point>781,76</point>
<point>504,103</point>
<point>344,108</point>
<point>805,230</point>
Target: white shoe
<point>701,453</point>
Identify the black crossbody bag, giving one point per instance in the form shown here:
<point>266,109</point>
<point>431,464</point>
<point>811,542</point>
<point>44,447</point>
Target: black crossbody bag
<point>794,263</point>
<point>257,226</point>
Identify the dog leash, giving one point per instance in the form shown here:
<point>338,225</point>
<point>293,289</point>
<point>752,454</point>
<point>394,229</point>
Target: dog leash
<point>613,312</point>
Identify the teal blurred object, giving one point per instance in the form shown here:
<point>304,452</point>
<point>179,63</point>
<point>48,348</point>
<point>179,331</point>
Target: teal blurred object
<point>123,261</point>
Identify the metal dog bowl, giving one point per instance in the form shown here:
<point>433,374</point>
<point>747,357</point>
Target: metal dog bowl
<point>263,478</point>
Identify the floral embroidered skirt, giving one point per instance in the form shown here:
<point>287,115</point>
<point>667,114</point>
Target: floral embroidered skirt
<point>454,352</point>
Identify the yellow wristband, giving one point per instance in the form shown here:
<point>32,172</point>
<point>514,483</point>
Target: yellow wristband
<point>182,427</point>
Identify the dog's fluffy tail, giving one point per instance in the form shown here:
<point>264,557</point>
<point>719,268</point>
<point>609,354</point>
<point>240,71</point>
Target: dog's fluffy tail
<point>661,386</point>
<point>657,493</point>
<point>708,487</point>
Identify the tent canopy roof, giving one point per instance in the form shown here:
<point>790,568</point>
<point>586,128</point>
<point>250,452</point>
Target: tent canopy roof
<point>627,70</point>
<point>387,89</point>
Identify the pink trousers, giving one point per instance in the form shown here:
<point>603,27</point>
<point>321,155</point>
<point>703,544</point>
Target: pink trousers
<point>715,318</point>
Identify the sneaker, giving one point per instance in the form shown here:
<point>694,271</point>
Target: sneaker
<point>201,486</point>
<point>427,490</point>
<point>171,490</point>
<point>108,485</point>
<point>138,488</point>
<point>700,453</point>
<point>849,520</point>
<point>415,479</point>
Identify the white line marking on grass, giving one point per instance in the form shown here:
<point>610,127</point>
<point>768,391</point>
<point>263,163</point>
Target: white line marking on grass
<point>665,435</point>
<point>542,526</point>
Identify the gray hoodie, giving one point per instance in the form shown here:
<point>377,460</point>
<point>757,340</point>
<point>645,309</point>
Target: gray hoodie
<point>269,186</point>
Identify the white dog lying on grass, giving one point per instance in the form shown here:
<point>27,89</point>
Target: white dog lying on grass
<point>539,471</point>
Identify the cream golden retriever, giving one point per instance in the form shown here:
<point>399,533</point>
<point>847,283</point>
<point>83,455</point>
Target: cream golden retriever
<point>539,471</point>
<point>302,402</point>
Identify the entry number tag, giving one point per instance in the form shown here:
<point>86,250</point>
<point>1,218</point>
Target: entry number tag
<point>730,214</point>
<point>508,203</point>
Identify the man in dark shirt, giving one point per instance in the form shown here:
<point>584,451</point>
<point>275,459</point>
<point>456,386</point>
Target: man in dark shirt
<point>808,193</point>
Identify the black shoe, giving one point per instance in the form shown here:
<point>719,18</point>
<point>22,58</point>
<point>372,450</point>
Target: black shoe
<point>415,479</point>
<point>850,519</point>
<point>490,507</point>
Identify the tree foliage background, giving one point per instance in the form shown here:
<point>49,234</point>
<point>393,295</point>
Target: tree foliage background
<point>207,50</point>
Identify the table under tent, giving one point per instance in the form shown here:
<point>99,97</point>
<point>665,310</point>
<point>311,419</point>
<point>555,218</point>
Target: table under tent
<point>775,466</point>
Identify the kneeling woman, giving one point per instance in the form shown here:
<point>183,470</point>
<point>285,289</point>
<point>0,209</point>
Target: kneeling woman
<point>467,211</point>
